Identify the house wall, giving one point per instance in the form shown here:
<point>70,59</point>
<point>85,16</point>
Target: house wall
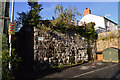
<point>110,26</point>
<point>4,12</point>
<point>99,21</point>
<point>102,24</point>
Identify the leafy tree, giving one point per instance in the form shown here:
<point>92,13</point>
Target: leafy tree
<point>65,17</point>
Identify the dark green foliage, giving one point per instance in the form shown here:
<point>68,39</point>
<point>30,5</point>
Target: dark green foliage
<point>32,17</point>
<point>5,60</point>
<point>5,63</point>
<point>87,31</point>
<point>22,19</point>
<point>4,42</point>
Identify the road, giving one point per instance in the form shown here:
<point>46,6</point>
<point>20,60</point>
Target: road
<point>95,69</point>
<point>112,71</point>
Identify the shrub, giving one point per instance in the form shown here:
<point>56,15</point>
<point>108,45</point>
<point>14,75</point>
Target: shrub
<point>15,60</point>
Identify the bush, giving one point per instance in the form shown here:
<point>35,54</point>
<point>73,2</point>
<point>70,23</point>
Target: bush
<point>15,60</point>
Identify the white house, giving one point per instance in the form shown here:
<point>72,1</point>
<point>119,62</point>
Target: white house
<point>102,23</point>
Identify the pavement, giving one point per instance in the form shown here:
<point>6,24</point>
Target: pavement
<point>96,69</point>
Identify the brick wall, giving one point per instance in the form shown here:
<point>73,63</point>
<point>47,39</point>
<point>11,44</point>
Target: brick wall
<point>87,11</point>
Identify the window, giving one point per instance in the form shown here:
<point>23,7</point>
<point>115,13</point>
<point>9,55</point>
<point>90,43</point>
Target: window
<point>108,23</point>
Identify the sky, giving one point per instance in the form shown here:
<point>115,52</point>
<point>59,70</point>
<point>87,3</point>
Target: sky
<point>107,9</point>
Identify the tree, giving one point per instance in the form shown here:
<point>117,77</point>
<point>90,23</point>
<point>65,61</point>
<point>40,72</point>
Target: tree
<point>32,17</point>
<point>91,36</point>
<point>65,16</point>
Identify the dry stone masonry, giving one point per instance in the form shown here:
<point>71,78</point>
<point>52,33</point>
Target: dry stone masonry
<point>107,40</point>
<point>56,48</point>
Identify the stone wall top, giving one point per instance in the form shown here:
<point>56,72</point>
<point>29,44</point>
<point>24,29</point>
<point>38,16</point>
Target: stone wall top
<point>111,34</point>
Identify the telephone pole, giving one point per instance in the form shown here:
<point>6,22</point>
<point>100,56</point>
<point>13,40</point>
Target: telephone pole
<point>10,39</point>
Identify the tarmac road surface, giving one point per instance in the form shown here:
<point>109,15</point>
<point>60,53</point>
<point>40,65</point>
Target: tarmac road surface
<point>96,69</point>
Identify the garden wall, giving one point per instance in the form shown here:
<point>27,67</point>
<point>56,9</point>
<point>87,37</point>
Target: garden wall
<point>58,48</point>
<point>108,39</point>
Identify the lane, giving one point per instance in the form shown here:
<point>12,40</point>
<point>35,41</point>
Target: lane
<point>97,70</point>
<point>112,71</point>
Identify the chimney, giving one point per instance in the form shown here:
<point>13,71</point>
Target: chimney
<point>87,11</point>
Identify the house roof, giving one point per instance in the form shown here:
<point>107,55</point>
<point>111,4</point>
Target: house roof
<point>104,18</point>
<point>109,20</point>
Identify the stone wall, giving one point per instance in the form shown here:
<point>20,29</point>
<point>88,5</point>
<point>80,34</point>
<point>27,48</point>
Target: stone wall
<point>58,48</point>
<point>108,39</point>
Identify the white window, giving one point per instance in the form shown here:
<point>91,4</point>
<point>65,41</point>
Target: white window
<point>108,23</point>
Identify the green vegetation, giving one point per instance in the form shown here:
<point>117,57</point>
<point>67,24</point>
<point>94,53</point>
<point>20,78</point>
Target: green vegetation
<point>32,17</point>
<point>65,17</point>
<point>88,32</point>
<point>64,21</point>
<point>43,27</point>
<point>108,35</point>
<point>4,43</point>
<point>15,60</point>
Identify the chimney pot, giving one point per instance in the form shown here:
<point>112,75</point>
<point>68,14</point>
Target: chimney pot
<point>87,11</point>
